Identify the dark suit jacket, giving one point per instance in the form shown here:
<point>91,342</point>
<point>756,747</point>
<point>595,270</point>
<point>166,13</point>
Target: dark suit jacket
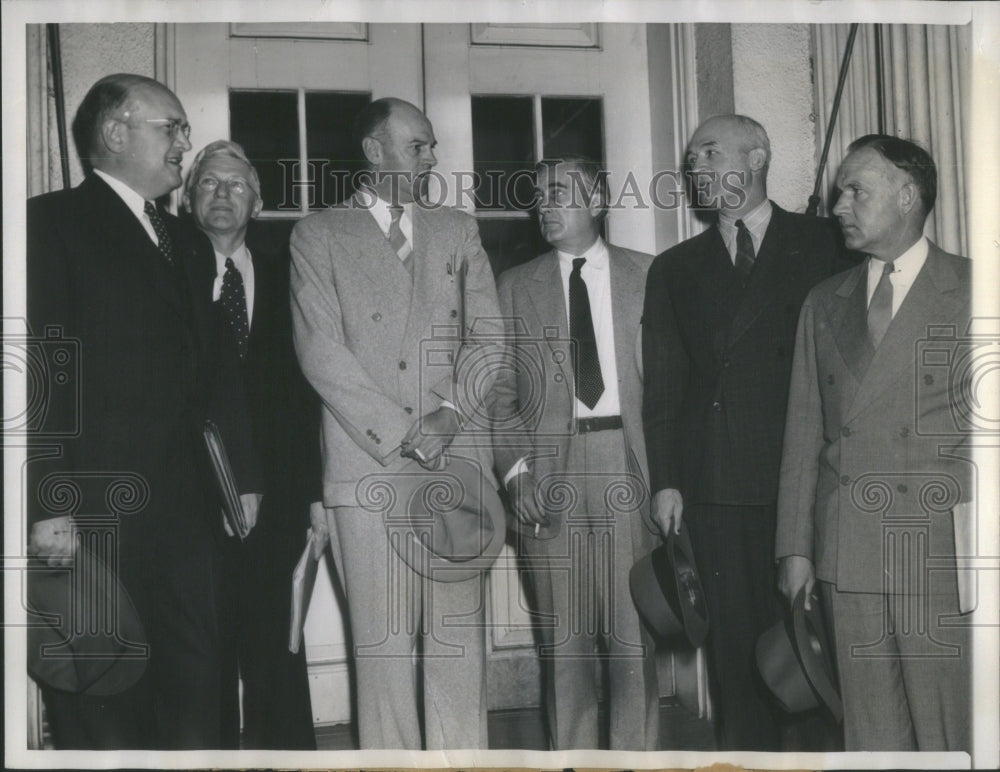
<point>867,432</point>
<point>151,369</point>
<point>717,352</point>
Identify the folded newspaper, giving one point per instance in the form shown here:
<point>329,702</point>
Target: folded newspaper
<point>303,581</point>
<point>232,507</point>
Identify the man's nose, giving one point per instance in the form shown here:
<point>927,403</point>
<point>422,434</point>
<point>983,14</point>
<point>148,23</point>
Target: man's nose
<point>840,205</point>
<point>222,189</point>
<point>429,158</point>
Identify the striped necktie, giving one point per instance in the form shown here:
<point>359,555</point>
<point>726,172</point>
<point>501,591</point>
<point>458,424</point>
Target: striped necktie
<point>396,238</point>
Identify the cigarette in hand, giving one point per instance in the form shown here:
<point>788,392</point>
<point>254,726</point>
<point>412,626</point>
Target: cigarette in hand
<point>536,529</point>
<point>420,456</point>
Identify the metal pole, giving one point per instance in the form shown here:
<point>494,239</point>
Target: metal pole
<point>55,54</point>
<point>813,207</point>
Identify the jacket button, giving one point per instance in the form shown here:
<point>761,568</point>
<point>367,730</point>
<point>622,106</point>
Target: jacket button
<point>844,479</point>
<point>902,488</point>
<point>454,314</point>
<point>378,440</point>
<point>846,431</point>
<point>376,317</point>
<point>904,432</point>
<point>829,379</point>
<point>716,406</point>
<point>402,365</point>
<point>929,380</point>
<point>408,410</point>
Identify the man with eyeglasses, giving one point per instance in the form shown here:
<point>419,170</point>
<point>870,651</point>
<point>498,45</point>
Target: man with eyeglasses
<point>250,292</point>
<point>110,272</point>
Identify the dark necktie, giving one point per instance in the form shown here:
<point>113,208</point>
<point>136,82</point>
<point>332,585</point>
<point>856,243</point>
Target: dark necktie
<point>880,308</point>
<point>233,298</point>
<point>162,234</point>
<point>397,240</point>
<point>744,249</point>
<point>586,365</point>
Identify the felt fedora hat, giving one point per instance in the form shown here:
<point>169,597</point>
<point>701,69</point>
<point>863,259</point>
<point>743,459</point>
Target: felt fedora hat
<point>84,633</point>
<point>667,592</point>
<point>794,661</point>
<point>448,525</point>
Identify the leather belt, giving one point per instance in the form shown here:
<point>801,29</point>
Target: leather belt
<point>598,424</point>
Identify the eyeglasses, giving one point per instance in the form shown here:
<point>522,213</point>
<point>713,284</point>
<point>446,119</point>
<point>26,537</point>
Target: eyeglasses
<point>235,185</point>
<point>173,126</point>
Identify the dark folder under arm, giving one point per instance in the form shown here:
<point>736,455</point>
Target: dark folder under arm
<point>232,507</point>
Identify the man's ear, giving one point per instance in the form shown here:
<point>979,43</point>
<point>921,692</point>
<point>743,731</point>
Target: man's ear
<point>258,204</point>
<point>757,158</point>
<point>372,149</point>
<point>112,135</point>
<point>186,202</point>
<point>908,197</point>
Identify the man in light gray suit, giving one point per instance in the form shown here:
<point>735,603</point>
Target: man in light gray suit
<point>372,281</point>
<point>870,474</point>
<point>569,444</point>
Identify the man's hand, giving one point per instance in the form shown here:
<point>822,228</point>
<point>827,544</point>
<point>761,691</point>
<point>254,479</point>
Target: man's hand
<point>794,573</point>
<point>320,528</point>
<point>521,490</point>
<point>251,506</point>
<point>52,541</point>
<point>430,436</point>
<point>666,510</point>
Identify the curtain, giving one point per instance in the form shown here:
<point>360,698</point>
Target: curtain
<point>924,73</point>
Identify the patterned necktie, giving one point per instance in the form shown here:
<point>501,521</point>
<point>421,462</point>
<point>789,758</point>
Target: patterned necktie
<point>880,308</point>
<point>234,304</point>
<point>396,238</point>
<point>744,249</point>
<point>162,234</point>
<point>586,364</point>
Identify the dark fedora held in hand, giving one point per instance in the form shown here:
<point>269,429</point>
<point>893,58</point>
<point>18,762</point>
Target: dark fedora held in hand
<point>448,525</point>
<point>667,592</point>
<point>794,661</point>
<point>84,634</point>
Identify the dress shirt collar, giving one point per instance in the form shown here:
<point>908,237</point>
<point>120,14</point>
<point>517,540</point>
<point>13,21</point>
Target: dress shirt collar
<point>241,259</point>
<point>756,222</point>
<point>133,200</point>
<point>379,209</point>
<point>596,254</point>
<point>907,265</point>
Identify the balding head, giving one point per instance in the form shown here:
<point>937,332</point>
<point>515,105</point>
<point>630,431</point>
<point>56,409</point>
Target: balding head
<point>398,142</point>
<point>728,158</point>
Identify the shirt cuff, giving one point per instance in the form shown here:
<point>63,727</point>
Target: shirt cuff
<point>518,468</point>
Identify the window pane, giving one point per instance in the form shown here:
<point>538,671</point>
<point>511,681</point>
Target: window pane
<point>510,242</point>
<point>266,124</point>
<point>334,158</point>
<point>503,151</point>
<point>572,126</point>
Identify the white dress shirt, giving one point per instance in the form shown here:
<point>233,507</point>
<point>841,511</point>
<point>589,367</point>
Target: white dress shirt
<point>244,264</point>
<point>756,221</point>
<point>904,271</point>
<point>596,274</point>
<point>133,201</point>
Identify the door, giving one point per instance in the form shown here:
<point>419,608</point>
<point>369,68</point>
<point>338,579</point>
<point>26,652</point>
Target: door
<point>500,97</point>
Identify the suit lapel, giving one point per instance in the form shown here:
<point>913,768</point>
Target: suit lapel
<point>360,236</point>
<point>126,238</point>
<point>933,299</point>
<point>849,322</point>
<point>627,286</point>
<point>776,265</point>
<point>433,270</point>
<point>712,267</point>
<point>545,291</point>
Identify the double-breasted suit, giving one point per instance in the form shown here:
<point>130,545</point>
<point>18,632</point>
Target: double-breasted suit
<point>151,370</point>
<point>870,476</point>
<point>382,348</point>
<point>535,420</point>
<point>717,352</point>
